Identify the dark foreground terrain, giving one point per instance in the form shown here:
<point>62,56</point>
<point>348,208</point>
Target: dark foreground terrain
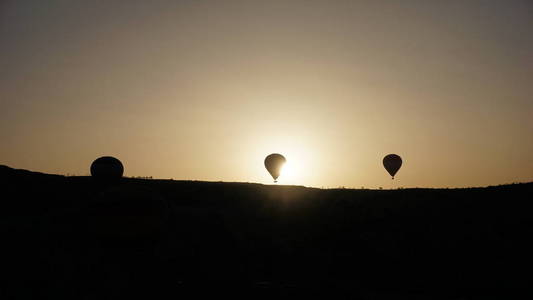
<point>71,237</point>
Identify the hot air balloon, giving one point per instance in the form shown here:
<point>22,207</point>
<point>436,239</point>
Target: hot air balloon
<point>273,163</point>
<point>107,169</point>
<point>392,164</point>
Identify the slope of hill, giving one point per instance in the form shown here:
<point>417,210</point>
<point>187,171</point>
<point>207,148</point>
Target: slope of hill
<point>72,237</point>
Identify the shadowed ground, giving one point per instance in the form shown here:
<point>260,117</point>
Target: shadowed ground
<point>73,237</point>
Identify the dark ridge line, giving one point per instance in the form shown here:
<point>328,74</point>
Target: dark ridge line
<point>5,169</point>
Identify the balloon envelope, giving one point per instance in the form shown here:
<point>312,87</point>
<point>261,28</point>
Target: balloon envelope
<point>392,163</point>
<point>107,169</point>
<point>273,163</point>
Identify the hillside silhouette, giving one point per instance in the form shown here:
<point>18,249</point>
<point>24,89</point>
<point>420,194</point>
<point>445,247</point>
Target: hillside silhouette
<point>74,237</point>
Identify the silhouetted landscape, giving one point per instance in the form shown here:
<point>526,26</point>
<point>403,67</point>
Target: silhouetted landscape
<point>78,238</point>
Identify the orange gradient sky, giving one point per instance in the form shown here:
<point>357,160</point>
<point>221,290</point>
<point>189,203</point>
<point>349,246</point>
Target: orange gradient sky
<point>204,90</point>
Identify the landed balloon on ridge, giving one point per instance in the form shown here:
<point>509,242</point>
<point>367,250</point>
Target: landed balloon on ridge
<point>107,169</point>
<point>392,164</point>
<point>273,163</point>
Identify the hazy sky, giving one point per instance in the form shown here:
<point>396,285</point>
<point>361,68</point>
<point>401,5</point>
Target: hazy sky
<point>204,90</point>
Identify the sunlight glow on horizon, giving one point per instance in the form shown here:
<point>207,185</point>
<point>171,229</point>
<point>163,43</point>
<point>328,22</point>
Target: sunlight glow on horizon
<point>297,170</point>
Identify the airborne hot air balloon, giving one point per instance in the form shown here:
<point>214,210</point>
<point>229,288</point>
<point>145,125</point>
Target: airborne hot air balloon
<point>273,163</point>
<point>392,163</point>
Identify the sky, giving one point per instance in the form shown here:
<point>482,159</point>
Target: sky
<point>204,90</point>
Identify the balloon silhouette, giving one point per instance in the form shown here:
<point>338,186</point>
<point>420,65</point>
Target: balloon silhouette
<point>273,163</point>
<point>392,164</point>
<point>107,169</point>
